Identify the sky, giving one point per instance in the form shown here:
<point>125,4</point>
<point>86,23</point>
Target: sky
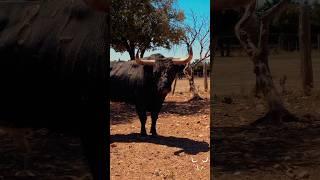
<point>200,8</point>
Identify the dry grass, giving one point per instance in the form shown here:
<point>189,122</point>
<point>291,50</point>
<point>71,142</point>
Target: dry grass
<point>234,75</point>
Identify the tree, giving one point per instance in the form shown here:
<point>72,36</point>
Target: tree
<point>255,42</point>
<point>305,48</point>
<point>144,25</point>
<point>287,23</point>
<point>197,32</point>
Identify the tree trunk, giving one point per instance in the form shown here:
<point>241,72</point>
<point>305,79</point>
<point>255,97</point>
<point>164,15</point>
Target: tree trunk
<point>188,71</point>
<point>174,84</point>
<point>305,49</point>
<point>205,75</point>
<point>264,81</point>
<point>142,52</point>
<point>257,47</point>
<point>131,53</point>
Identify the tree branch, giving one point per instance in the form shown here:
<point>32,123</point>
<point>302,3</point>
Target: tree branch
<point>245,39</point>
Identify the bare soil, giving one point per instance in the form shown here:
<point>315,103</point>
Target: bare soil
<point>288,150</point>
<point>53,156</point>
<point>184,136</point>
<point>183,129</point>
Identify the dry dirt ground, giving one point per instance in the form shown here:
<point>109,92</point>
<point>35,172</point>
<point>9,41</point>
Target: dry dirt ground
<point>53,156</point>
<point>183,129</point>
<point>289,150</point>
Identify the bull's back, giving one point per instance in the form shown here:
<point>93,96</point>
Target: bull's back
<point>52,54</point>
<point>130,82</point>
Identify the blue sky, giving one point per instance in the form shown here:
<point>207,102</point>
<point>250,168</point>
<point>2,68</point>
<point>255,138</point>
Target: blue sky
<point>199,7</point>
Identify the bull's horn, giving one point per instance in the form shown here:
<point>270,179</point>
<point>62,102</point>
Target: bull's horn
<point>150,62</point>
<point>184,60</point>
<point>100,5</point>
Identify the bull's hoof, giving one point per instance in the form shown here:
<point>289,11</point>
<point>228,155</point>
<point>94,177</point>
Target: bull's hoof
<point>154,134</point>
<point>143,134</point>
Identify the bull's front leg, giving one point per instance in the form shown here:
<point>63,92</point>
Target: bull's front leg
<point>154,117</point>
<point>143,119</point>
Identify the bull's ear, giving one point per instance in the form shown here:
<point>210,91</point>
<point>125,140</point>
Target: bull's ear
<point>100,5</point>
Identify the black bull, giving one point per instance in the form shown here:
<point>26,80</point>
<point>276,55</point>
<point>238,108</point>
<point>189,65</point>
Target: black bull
<point>54,70</point>
<point>145,86</point>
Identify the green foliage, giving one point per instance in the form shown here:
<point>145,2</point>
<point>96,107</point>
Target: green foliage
<point>145,24</point>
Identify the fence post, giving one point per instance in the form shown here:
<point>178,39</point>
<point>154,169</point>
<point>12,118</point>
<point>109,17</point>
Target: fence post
<point>205,76</point>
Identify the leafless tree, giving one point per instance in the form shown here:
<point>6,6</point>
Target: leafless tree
<point>197,33</point>
<point>253,34</point>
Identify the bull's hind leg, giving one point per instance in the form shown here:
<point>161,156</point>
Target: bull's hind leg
<point>143,119</point>
<point>154,117</point>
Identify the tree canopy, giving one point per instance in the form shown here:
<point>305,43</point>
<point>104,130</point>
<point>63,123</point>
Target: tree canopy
<point>144,25</point>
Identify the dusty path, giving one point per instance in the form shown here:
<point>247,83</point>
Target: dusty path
<point>184,135</point>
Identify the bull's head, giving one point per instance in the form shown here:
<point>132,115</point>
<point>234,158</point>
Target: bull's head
<point>165,70</point>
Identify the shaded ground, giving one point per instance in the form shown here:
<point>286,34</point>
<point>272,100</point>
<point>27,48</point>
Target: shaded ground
<point>53,157</point>
<point>282,151</point>
<point>184,136</point>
